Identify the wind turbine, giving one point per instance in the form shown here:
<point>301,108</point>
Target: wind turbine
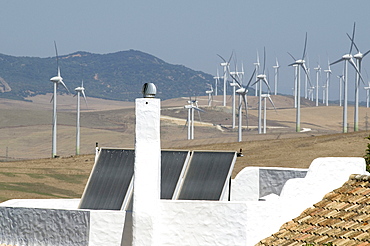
<point>318,71</point>
<point>261,78</point>
<point>347,58</point>
<point>300,63</point>
<point>210,95</point>
<point>217,79</point>
<point>327,83</point>
<point>190,121</point>
<point>233,84</point>
<point>79,90</point>
<point>56,80</point>
<point>359,56</point>
<point>265,97</point>
<point>340,77</point>
<point>225,65</point>
<point>276,67</point>
<point>257,68</point>
<point>242,92</point>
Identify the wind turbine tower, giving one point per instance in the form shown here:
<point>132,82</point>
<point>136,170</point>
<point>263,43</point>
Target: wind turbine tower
<point>79,90</point>
<point>318,70</point>
<point>327,82</point>
<point>217,79</point>
<point>257,68</point>
<point>56,80</point>
<point>276,68</point>
<point>347,58</point>
<point>225,65</point>
<point>300,63</point>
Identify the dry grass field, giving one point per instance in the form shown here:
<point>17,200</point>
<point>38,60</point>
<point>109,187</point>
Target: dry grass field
<point>27,171</point>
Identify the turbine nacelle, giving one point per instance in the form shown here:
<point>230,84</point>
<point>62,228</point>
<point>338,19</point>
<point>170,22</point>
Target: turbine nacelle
<point>224,64</point>
<point>347,57</point>
<point>241,91</point>
<point>359,55</point>
<point>261,76</point>
<point>79,89</point>
<point>56,79</point>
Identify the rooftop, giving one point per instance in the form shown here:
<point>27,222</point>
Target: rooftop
<point>342,218</point>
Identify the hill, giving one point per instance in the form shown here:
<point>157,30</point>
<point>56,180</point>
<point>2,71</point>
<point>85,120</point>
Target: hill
<point>114,76</point>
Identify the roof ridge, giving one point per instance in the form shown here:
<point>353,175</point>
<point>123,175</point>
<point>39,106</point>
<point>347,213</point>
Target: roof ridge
<point>361,177</point>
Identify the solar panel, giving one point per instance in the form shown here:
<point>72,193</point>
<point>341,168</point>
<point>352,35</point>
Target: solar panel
<point>110,180</point>
<point>207,175</point>
<point>172,163</point>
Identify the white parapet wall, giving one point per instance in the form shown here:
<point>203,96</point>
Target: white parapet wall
<point>206,223</point>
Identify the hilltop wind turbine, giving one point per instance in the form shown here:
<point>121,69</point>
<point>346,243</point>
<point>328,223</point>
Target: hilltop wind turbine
<point>79,90</point>
<point>261,78</point>
<point>257,68</point>
<point>318,71</point>
<point>56,80</point>
<point>190,121</point>
<point>242,92</point>
<point>327,82</point>
<point>210,95</point>
<point>217,79</point>
<point>359,56</point>
<point>225,65</point>
<point>347,58</point>
<point>300,63</point>
<point>265,97</point>
<point>276,67</point>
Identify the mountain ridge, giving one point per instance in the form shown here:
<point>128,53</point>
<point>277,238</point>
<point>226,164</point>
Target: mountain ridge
<point>115,76</point>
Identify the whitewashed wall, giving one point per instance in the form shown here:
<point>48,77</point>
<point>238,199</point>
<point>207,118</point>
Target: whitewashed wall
<point>206,223</point>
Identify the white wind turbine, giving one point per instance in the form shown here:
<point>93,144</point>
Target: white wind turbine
<point>300,63</point>
<point>217,79</point>
<point>276,68</point>
<point>327,83</point>
<point>318,71</point>
<point>225,64</point>
<point>193,105</point>
<point>347,58</point>
<point>233,84</point>
<point>210,95</point>
<point>257,68</point>
<point>56,80</point>
<point>265,97</point>
<point>79,90</point>
<point>261,78</point>
<point>359,56</point>
<point>242,92</point>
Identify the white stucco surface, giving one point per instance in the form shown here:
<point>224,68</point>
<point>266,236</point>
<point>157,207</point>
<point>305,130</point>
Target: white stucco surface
<point>206,223</point>
<point>42,203</point>
<point>146,190</point>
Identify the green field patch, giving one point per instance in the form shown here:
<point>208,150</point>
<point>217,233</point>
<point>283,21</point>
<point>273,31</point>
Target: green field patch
<point>69,178</point>
<point>36,175</point>
<point>39,188</point>
<point>8,174</point>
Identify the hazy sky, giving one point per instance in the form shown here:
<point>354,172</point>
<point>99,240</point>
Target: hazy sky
<point>192,33</point>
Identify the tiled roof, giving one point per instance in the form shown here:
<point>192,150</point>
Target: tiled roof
<point>342,218</point>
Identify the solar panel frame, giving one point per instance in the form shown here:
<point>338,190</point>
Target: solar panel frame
<point>91,198</point>
<point>193,184</point>
<point>177,173</point>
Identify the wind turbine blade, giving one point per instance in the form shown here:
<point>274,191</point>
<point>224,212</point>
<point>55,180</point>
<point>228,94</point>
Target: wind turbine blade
<point>246,107</point>
<point>221,58</point>
<point>250,80</point>
<point>267,83</point>
<point>353,42</point>
<point>273,104</point>
<point>83,94</point>
<point>235,79</point>
<point>64,85</point>
<point>353,37</point>
<point>307,74</point>
<point>292,56</point>
<point>341,59</point>
<point>356,68</point>
<point>231,56</point>
<point>52,98</point>
<point>264,59</point>
<point>277,63</point>
<point>56,53</point>
<point>367,52</point>
<point>305,46</point>
<point>294,63</point>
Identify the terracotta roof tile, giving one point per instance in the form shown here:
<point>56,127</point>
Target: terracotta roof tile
<point>342,217</point>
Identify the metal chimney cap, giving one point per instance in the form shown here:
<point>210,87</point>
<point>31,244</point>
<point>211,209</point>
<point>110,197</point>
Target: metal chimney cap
<point>149,90</point>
